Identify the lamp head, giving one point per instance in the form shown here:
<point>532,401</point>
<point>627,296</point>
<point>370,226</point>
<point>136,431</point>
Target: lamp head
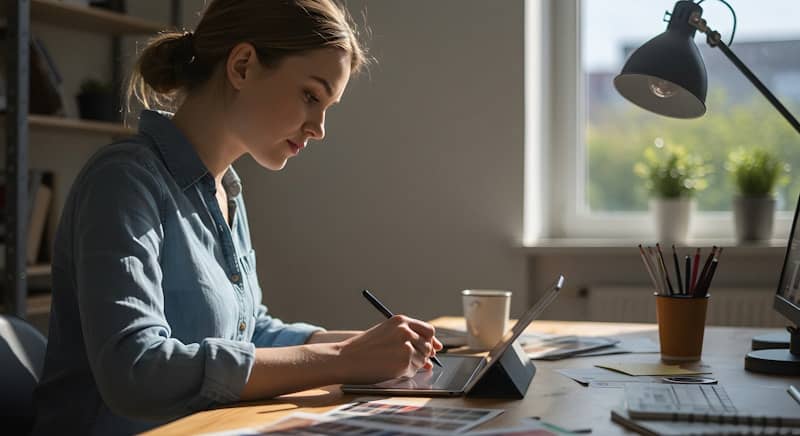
<point>666,75</point>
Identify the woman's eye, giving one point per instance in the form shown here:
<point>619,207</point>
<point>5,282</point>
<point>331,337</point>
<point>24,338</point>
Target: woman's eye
<point>310,98</point>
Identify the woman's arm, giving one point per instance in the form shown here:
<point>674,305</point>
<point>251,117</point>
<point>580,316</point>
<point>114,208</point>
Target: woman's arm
<point>399,346</point>
<point>324,337</point>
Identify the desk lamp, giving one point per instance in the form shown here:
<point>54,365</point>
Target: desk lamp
<point>667,76</point>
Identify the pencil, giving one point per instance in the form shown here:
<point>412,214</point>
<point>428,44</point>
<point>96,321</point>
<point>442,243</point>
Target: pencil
<point>701,278</point>
<point>677,269</point>
<point>657,268</point>
<point>664,265</point>
<point>710,276</point>
<point>649,269</point>
<point>695,268</point>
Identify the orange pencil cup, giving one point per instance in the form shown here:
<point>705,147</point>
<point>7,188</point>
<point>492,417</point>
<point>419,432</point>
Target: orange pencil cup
<point>681,324</point>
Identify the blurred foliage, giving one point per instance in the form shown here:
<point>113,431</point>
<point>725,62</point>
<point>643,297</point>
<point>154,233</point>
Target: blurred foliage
<point>756,171</point>
<point>617,139</point>
<point>669,171</point>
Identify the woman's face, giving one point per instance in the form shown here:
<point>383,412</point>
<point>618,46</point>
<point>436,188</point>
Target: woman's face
<point>277,110</point>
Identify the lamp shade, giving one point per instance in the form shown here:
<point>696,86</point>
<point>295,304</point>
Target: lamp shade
<point>666,75</point>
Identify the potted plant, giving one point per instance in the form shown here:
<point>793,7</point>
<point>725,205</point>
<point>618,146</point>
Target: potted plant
<point>756,173</point>
<point>672,176</point>
<point>95,100</point>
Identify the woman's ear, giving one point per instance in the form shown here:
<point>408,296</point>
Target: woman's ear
<point>241,60</point>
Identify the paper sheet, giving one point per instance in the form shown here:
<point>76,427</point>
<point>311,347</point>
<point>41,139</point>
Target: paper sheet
<point>626,346</point>
<point>656,368</point>
<point>527,427</point>
<point>604,378</point>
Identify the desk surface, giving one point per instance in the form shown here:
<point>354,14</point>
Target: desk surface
<point>551,396</point>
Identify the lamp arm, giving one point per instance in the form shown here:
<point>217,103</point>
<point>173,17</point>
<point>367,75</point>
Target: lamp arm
<point>714,40</point>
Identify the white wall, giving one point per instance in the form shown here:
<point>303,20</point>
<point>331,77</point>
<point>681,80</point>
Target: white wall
<point>416,193</point>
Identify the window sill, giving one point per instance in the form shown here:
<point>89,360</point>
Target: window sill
<point>595,246</point>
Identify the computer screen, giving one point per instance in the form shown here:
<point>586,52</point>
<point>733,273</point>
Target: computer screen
<point>787,298</point>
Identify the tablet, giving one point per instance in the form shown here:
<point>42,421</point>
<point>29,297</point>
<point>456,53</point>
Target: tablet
<point>458,374</point>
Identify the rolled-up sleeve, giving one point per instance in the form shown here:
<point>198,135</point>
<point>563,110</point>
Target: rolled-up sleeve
<point>272,332</point>
<point>141,371</point>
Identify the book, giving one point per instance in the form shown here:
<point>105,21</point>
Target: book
<point>741,405</point>
<point>41,196</point>
<point>44,79</point>
<point>37,214</point>
<point>670,428</point>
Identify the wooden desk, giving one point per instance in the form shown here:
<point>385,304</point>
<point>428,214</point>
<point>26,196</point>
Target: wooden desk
<point>551,396</point>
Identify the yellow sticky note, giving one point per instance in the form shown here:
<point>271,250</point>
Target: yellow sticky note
<point>651,369</point>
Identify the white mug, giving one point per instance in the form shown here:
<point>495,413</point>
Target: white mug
<point>486,314</point>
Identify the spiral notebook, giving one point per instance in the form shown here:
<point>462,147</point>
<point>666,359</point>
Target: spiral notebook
<point>749,405</point>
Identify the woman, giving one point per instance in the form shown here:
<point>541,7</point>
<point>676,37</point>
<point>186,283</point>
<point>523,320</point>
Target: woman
<point>156,305</point>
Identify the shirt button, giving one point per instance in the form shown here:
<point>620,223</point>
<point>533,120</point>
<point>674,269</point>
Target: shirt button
<point>235,278</point>
<point>242,326</point>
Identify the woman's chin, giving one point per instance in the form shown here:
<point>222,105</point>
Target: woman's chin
<point>271,163</point>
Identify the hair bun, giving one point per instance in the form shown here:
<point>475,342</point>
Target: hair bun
<point>185,48</point>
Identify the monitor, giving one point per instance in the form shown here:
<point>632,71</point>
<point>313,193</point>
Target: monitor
<point>783,360</point>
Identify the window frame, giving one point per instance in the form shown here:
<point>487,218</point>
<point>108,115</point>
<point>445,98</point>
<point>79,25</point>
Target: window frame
<point>556,176</point>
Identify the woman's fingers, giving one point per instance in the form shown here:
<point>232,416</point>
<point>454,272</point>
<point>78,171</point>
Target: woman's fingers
<point>421,328</point>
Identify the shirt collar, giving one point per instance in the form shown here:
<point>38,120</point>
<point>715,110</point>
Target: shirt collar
<point>178,153</point>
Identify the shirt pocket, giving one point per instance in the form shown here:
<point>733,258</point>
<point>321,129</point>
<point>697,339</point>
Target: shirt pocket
<point>248,262</point>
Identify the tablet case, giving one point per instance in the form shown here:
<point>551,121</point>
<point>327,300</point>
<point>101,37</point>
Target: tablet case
<point>509,376</point>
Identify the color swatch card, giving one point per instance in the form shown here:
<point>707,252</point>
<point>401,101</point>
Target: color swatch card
<point>394,416</point>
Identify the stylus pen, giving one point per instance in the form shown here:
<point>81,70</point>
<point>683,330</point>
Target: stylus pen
<point>794,393</point>
<point>388,313</point>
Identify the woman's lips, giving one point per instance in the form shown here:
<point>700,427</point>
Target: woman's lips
<point>295,147</point>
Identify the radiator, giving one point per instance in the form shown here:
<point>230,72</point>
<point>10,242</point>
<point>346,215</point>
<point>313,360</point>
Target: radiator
<point>727,306</point>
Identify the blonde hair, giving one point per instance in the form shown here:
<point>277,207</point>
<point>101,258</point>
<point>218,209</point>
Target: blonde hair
<point>174,63</point>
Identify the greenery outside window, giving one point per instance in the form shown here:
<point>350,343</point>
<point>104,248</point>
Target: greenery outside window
<point>597,137</point>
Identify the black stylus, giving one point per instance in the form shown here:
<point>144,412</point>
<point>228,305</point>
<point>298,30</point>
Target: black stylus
<point>388,313</point>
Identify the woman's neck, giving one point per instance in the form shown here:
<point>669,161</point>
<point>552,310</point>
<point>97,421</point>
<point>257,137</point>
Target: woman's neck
<point>201,119</point>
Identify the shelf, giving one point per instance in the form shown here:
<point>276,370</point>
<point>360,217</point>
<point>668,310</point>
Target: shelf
<point>61,123</point>
<point>91,19</point>
<point>41,270</point>
<point>75,125</point>
<point>37,304</point>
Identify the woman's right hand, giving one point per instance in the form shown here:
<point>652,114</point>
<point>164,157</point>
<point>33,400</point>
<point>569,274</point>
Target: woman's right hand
<point>397,347</point>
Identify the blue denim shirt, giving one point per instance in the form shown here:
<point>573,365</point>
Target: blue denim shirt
<point>156,307</point>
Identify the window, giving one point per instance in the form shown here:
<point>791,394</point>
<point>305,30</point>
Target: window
<point>596,136</point>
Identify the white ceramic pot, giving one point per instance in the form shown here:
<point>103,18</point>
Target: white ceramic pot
<point>753,218</point>
<point>672,217</point>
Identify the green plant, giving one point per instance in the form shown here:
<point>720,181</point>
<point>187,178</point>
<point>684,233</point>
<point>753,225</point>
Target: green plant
<point>671,171</point>
<point>757,171</point>
<point>94,86</point>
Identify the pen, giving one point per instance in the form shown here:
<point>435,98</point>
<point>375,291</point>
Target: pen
<point>794,393</point>
<point>388,313</point>
<point>688,273</point>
